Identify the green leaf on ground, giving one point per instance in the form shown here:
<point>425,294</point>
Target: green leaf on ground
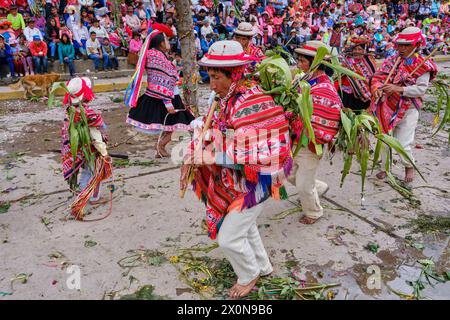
<point>4,207</point>
<point>90,243</point>
<point>372,247</point>
<point>45,221</point>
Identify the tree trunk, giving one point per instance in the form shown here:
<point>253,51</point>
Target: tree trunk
<point>188,53</point>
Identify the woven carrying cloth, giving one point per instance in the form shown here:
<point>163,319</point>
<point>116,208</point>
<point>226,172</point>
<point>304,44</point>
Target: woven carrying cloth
<point>258,167</point>
<point>326,116</point>
<point>162,75</point>
<point>366,67</point>
<point>391,109</point>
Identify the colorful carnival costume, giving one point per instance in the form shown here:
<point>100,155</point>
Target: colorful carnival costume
<point>325,121</point>
<point>83,145</point>
<point>399,112</point>
<point>242,173</point>
<point>355,93</point>
<point>151,112</point>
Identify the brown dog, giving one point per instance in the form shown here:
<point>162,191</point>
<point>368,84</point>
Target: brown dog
<point>44,81</point>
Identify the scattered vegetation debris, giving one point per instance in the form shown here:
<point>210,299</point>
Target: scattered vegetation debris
<point>427,274</point>
<point>286,213</point>
<point>426,224</point>
<point>22,277</point>
<point>291,289</point>
<point>404,190</point>
<point>140,258</point>
<point>412,243</point>
<point>144,293</point>
<point>122,163</point>
<point>116,99</point>
<point>198,248</point>
<point>206,276</point>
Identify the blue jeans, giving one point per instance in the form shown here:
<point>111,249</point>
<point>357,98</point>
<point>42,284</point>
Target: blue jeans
<point>40,64</point>
<point>52,46</point>
<point>69,62</point>
<point>10,63</point>
<point>110,62</point>
<point>78,48</point>
<point>96,59</point>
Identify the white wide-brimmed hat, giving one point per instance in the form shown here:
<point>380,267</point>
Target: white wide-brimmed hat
<point>77,88</point>
<point>310,48</point>
<point>225,53</point>
<point>245,29</point>
<point>410,35</point>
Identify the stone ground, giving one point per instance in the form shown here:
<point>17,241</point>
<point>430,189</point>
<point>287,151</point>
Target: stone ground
<point>36,238</point>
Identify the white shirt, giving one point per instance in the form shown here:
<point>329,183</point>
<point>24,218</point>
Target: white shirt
<point>94,45</point>
<point>86,3</point>
<point>206,30</point>
<point>29,33</point>
<point>100,32</point>
<point>419,89</point>
<point>80,33</point>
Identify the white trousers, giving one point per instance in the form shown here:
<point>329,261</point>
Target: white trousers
<point>240,240</point>
<point>303,176</point>
<point>405,132</point>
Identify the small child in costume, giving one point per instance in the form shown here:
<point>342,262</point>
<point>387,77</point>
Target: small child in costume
<point>83,146</point>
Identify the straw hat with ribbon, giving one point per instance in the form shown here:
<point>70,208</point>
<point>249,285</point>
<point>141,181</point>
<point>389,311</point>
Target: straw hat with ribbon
<point>310,48</point>
<point>225,54</point>
<point>245,29</point>
<point>411,35</point>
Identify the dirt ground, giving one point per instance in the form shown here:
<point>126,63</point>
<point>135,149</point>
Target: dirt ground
<point>149,224</point>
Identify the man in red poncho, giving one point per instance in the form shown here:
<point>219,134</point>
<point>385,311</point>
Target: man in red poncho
<point>397,102</point>
<point>244,162</point>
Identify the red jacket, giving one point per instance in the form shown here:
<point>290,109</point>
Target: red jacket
<point>35,48</point>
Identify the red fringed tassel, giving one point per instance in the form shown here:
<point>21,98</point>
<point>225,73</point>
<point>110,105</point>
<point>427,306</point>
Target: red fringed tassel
<point>102,171</point>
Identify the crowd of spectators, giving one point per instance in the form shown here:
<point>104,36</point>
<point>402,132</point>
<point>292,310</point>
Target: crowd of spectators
<point>34,33</point>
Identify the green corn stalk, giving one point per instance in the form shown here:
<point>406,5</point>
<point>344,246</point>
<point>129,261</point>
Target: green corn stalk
<point>364,158</point>
<point>342,70</point>
<point>376,154</point>
<point>393,143</point>
<point>51,95</point>
<point>441,88</point>
<point>276,79</point>
<point>322,52</point>
<point>73,134</point>
<point>346,123</point>
<point>353,139</point>
<point>347,166</point>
